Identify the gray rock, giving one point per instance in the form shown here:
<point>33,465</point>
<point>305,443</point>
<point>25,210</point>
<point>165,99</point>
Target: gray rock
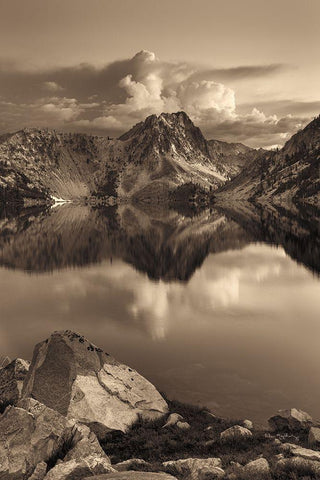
<point>84,444</point>
<point>234,434</point>
<point>4,361</point>
<point>172,420</point>
<point>257,468</point>
<point>194,468</point>
<point>12,376</point>
<point>78,469</point>
<point>213,473</point>
<point>314,437</point>
<point>290,420</point>
<point>30,434</point>
<point>39,472</point>
<point>80,381</point>
<point>133,476</point>
<point>247,424</point>
<point>183,425</point>
<point>299,465</point>
<point>129,464</point>
<point>301,452</point>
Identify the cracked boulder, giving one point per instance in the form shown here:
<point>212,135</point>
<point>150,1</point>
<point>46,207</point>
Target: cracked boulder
<point>81,381</point>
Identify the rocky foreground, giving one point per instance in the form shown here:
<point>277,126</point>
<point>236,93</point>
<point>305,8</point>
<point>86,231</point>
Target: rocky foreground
<point>77,413</point>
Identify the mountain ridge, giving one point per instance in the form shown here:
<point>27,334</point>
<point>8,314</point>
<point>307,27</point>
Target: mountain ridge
<point>154,157</point>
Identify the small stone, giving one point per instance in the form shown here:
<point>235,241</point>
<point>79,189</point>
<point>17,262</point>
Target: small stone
<point>234,434</point>
<point>183,425</point>
<point>247,424</point>
<point>173,419</point>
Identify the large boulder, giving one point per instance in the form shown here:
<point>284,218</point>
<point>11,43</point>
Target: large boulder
<point>235,434</point>
<point>314,437</point>
<point>80,381</point>
<point>29,434</point>
<point>195,468</point>
<point>290,420</point>
<point>12,376</point>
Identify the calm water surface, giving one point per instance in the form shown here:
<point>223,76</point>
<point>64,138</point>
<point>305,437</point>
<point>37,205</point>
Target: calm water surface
<point>220,309</point>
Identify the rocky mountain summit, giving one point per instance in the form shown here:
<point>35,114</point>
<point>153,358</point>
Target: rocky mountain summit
<point>82,415</point>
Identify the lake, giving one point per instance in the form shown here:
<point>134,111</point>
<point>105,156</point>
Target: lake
<point>219,308</point>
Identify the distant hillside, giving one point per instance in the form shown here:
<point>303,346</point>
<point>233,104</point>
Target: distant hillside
<point>290,174</point>
<point>152,159</point>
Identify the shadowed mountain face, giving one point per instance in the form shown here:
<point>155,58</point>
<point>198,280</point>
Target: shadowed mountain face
<point>231,158</point>
<point>164,244</point>
<point>290,174</point>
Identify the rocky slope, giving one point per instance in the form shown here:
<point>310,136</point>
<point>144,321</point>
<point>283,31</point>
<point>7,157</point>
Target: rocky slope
<point>154,157</point>
<point>290,174</point>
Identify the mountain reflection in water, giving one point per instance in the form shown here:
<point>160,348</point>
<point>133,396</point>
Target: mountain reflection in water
<point>205,306</point>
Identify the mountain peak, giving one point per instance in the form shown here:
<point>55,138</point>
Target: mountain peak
<point>164,121</point>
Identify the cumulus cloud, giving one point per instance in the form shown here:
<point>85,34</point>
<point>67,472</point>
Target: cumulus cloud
<point>113,98</point>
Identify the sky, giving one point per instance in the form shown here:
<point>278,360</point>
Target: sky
<point>243,70</point>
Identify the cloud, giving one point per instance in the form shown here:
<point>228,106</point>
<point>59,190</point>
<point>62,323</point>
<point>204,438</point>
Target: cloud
<point>52,86</point>
<point>113,98</point>
<point>61,109</point>
<point>244,72</point>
